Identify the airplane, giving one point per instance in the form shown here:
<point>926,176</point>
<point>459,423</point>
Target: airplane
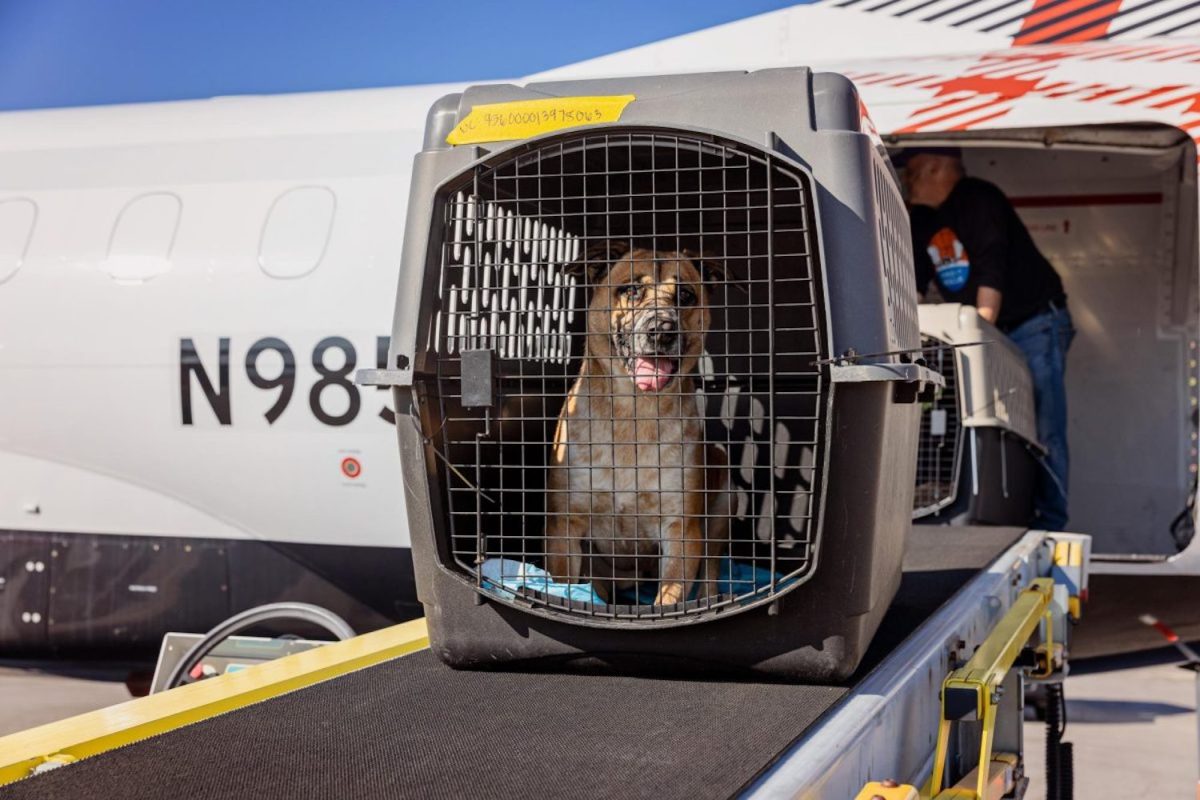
<point>186,289</point>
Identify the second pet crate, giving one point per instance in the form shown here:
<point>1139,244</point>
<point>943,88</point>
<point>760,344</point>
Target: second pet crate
<point>978,455</point>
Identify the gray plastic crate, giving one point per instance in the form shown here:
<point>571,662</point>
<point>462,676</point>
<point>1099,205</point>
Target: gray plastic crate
<point>977,459</point>
<point>726,255</point>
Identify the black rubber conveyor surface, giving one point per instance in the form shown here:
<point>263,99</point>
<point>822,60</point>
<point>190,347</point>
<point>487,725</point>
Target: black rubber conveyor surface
<point>414,728</point>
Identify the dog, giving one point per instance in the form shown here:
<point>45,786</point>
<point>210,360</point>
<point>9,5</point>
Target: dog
<point>635,493</point>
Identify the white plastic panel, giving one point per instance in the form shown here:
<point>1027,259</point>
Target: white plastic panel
<point>515,252</point>
<point>142,238</point>
<point>296,233</point>
<point>18,217</point>
<point>995,389</point>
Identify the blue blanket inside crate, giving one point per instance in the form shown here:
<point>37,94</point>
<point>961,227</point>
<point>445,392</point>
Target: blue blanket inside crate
<point>504,577</point>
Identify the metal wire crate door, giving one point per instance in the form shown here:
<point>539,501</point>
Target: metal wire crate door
<point>679,275</point>
<point>940,442</point>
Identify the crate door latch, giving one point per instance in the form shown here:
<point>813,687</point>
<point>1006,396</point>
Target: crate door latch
<point>478,378</point>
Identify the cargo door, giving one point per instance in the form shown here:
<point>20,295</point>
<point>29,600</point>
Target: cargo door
<point>1114,209</point>
<point>131,590</point>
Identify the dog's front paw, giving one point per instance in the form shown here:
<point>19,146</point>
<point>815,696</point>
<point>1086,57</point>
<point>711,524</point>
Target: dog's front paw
<point>669,593</point>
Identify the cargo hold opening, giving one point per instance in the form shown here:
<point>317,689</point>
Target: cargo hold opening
<point>1114,208</point>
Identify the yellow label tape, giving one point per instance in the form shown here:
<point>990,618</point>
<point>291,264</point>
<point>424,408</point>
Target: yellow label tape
<point>501,122</point>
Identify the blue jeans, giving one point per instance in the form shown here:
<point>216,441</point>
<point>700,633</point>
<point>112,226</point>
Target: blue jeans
<point>1044,339</point>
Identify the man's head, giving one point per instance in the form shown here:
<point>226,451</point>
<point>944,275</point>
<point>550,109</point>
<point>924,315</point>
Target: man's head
<point>930,174</point>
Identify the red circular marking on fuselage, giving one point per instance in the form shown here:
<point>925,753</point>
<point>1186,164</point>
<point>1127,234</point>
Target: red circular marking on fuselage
<point>351,467</point>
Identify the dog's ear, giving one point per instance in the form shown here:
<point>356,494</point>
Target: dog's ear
<point>713,269</point>
<point>597,259</point>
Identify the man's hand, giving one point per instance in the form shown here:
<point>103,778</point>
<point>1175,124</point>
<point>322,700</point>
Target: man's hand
<point>987,303</point>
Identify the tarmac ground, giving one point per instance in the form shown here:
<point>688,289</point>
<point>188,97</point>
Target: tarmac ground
<point>1132,722</point>
<point>1131,718</point>
<point>33,693</point>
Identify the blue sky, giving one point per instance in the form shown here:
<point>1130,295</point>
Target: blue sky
<point>88,52</point>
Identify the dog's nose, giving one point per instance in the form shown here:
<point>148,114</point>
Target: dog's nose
<point>663,335</point>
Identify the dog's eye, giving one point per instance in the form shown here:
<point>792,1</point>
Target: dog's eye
<point>630,290</point>
<point>687,297</point>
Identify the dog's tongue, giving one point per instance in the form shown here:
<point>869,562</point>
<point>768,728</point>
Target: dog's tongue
<point>652,374</point>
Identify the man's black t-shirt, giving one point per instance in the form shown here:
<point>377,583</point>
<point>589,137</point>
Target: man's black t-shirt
<point>976,239</point>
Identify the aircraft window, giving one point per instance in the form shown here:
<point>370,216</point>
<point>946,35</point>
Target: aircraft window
<point>17,218</point>
<point>142,238</point>
<point>296,234</point>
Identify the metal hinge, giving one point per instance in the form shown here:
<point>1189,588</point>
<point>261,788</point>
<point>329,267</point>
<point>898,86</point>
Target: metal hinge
<point>383,377</point>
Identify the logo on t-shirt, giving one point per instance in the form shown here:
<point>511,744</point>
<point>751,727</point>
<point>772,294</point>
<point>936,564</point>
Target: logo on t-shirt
<point>949,259</point>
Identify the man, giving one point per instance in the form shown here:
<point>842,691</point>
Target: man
<point>968,237</point>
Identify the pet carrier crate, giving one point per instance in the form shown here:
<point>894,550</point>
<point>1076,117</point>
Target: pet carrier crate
<point>655,402</point>
<point>977,460</point>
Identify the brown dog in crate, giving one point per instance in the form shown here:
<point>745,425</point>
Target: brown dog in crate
<point>636,494</point>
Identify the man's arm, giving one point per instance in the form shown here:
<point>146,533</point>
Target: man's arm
<point>987,243</point>
<point>923,219</point>
<point>987,303</point>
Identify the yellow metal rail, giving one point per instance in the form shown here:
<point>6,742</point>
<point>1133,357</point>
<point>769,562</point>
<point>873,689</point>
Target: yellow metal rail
<point>974,687</point>
<point>95,732</point>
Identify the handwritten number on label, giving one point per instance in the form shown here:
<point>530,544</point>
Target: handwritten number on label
<point>523,118</point>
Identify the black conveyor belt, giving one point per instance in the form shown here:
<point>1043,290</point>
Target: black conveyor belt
<point>414,728</point>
